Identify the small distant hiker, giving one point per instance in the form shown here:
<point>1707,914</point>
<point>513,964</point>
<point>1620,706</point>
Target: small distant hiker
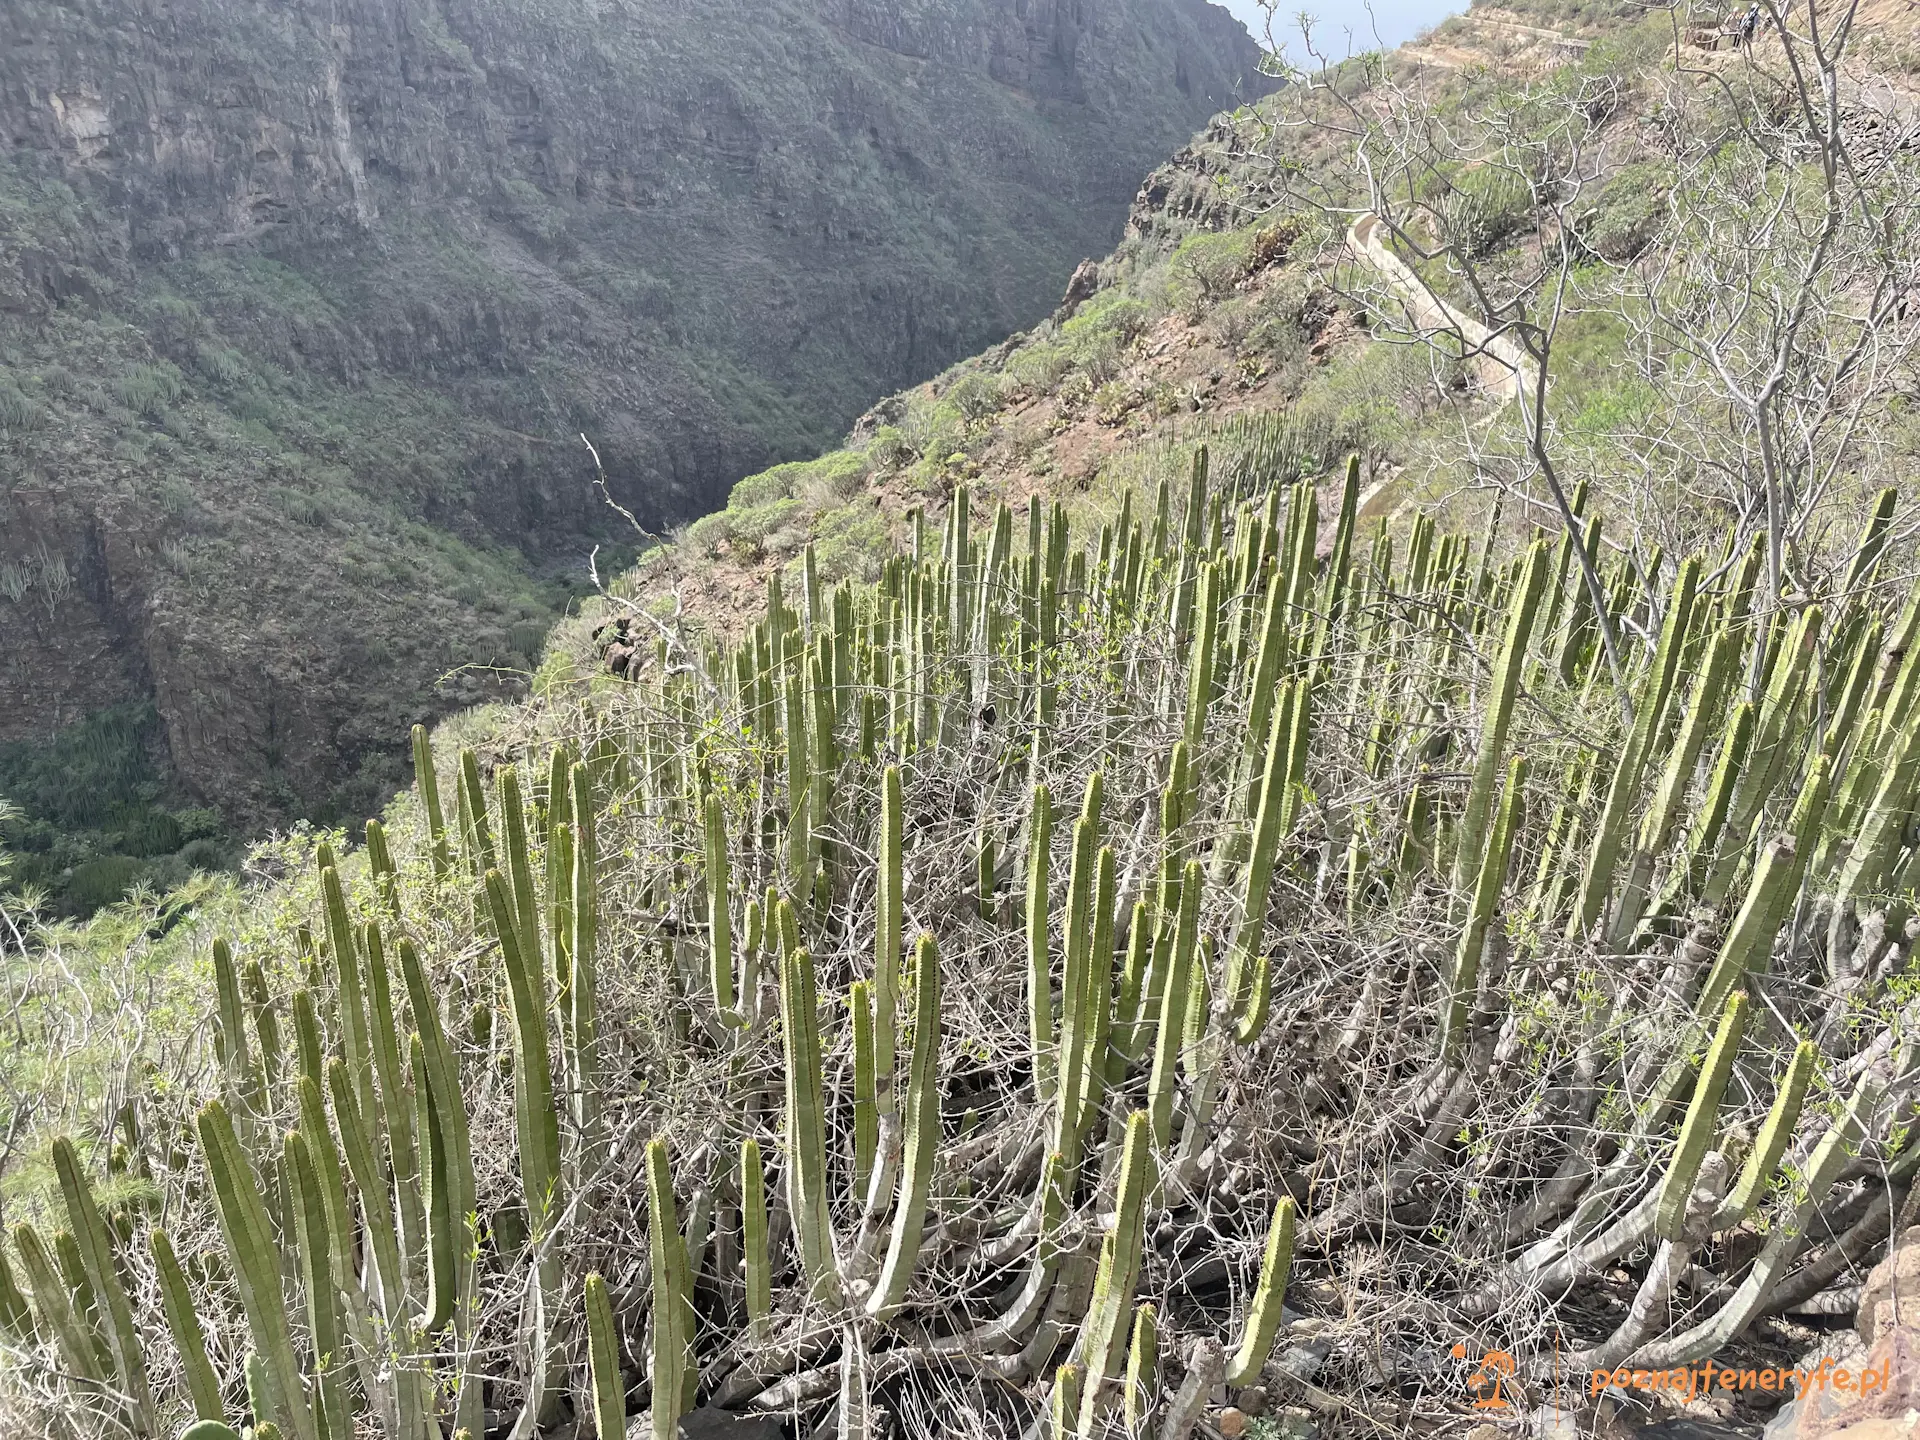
<point>1749,24</point>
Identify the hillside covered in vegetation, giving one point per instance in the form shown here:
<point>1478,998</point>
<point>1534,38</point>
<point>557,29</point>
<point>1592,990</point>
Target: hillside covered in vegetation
<point>303,315</point>
<point>1086,911</point>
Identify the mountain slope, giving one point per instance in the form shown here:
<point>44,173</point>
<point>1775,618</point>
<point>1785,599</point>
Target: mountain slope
<point>303,310</point>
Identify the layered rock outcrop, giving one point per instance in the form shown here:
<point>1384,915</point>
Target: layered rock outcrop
<point>305,304</point>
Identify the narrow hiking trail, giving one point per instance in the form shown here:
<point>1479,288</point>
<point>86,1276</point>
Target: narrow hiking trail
<point>1502,367</point>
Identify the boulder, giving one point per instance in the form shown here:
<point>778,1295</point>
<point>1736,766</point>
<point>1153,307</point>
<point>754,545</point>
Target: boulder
<point>1891,1295</point>
<point>1826,1412</point>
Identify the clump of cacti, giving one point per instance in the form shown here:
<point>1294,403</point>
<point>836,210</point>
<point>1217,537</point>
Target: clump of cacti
<point>788,1044</point>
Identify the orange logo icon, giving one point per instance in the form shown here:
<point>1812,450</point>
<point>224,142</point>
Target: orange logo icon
<point>1495,1366</point>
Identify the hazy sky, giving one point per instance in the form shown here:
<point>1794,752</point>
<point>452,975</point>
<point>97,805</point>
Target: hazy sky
<point>1396,20</point>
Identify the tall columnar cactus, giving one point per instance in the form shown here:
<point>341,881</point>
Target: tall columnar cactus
<point>800,838</point>
<point>427,780</point>
<point>519,871</point>
<point>90,1232</point>
<point>1771,1143</point>
<point>1649,712</point>
<point>380,864</point>
<point>675,1376</point>
<point>438,1189</point>
<point>1143,1369</point>
<point>922,1135</point>
<point>866,1107</point>
<point>312,1242</point>
<point>1486,899</point>
<point>183,1324</point>
<point>1104,1332</point>
<point>396,1106</point>
<point>1265,1309</point>
<point>266,1020</point>
<point>476,833</point>
<point>757,1263</point>
<point>55,1300</point>
<point>537,1129</point>
<point>350,1003</point>
<point>358,1147</point>
<point>1276,782</point>
<point>444,1097</point>
<point>889,900</point>
<point>1697,1131</point>
<point>1776,881</point>
<point>256,1269</point>
<point>1663,814</point>
<point>236,1053</point>
<point>1777,717</point>
<point>1171,1022</point>
<point>719,908</point>
<point>603,1363</point>
<point>1045,1056</point>
<point>1200,665</point>
<point>583,955</point>
<point>806,1125</point>
<point>1076,1017</point>
<point>1470,835</point>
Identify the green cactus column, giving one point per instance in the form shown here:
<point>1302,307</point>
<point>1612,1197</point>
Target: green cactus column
<point>889,902</point>
<point>1039,955</point>
<point>583,993</point>
<point>236,1054</point>
<point>55,1299</point>
<point>1770,1145</point>
<point>1771,893</point>
<point>313,1245</point>
<point>1697,1131</point>
<point>1143,1370</point>
<point>1663,813</point>
<point>921,1139</point>
<point>1172,1021</point>
<point>1075,1012</point>
<point>1486,897</point>
<point>183,1323</point>
<point>673,1374</point>
<point>1649,713</point>
<point>1263,1314</point>
<point>96,1253</point>
<point>719,907</point>
<point>603,1363</point>
<point>757,1263</point>
<point>396,1103</point>
<point>806,1126</point>
<point>350,999</point>
<point>256,1268</point>
<point>1103,1335</point>
<point>427,779</point>
<point>1276,781</point>
<point>537,1130</point>
<point>1471,834</point>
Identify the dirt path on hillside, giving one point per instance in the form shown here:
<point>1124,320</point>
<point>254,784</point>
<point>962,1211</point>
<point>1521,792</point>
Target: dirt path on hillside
<point>1501,366</point>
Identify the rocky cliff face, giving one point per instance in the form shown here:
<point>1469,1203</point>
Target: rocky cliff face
<point>306,304</point>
